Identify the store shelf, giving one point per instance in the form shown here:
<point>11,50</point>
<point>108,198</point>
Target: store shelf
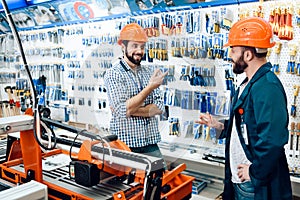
<point>211,172</point>
<point>295,186</point>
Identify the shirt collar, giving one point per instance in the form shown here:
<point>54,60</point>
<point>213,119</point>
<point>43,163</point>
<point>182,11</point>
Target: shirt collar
<point>126,67</point>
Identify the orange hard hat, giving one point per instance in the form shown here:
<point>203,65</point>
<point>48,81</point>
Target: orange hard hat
<point>251,32</point>
<point>133,32</point>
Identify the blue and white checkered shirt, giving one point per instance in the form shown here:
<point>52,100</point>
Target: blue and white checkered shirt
<point>122,83</point>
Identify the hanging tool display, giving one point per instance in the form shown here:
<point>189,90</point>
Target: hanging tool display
<point>185,73</point>
<point>292,133</point>
<point>287,32</point>
<point>199,80</point>
<point>291,66</point>
<point>167,25</point>
<point>5,108</point>
<point>272,19</point>
<point>189,22</point>
<point>174,126</point>
<point>150,50</point>
<point>258,11</point>
<point>243,13</point>
<point>161,51</point>
<point>178,21</point>
<point>277,51</point>
<point>297,139</point>
<point>215,44</point>
<point>186,99</point>
<point>282,23</point>
<point>12,108</point>
<point>298,17</point>
<point>275,20</point>
<point>294,105</point>
<point>229,79</point>
<point>184,47</point>
<point>226,18</point>
<point>280,19</point>
<point>157,49</point>
<point>16,98</point>
<point>215,17</point>
<point>297,127</point>
<point>151,26</point>
<point>175,47</point>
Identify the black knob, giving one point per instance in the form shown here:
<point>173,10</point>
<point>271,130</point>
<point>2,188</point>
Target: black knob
<point>7,128</point>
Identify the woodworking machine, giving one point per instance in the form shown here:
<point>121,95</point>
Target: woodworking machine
<point>92,167</point>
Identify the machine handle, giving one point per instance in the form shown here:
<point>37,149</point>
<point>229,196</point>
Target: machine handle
<point>108,138</point>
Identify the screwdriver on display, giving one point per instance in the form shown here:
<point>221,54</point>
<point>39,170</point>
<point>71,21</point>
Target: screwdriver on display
<point>293,108</point>
<point>297,140</point>
<point>291,139</point>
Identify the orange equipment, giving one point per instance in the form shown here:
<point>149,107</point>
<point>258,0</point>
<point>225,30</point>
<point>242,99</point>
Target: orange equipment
<point>107,171</point>
<point>251,32</point>
<point>133,32</point>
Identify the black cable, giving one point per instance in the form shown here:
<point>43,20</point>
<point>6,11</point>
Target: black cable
<point>72,144</point>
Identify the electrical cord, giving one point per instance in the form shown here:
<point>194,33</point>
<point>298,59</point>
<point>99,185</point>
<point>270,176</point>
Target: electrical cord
<point>38,139</point>
<point>103,154</point>
<point>48,130</point>
<point>108,146</point>
<point>103,141</point>
<point>72,144</point>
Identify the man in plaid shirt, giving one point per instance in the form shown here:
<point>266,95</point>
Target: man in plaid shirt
<point>134,96</point>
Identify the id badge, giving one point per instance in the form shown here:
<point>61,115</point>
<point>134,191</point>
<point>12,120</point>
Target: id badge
<point>244,133</point>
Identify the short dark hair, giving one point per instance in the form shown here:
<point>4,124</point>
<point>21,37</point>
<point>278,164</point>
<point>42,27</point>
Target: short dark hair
<point>125,42</point>
<point>253,50</point>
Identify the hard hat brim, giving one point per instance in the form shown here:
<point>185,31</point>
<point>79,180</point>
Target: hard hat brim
<point>119,42</point>
<point>226,45</point>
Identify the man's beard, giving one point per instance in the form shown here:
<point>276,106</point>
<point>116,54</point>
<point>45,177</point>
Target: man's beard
<point>131,58</point>
<point>239,66</point>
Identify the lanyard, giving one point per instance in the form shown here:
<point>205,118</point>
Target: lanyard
<point>137,83</point>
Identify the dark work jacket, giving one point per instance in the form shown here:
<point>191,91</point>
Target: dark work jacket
<point>264,104</point>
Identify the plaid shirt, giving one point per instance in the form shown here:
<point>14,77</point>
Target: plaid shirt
<point>122,83</point>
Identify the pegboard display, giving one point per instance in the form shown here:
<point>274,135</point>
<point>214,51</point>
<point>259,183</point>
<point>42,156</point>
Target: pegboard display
<point>285,57</point>
<point>74,59</point>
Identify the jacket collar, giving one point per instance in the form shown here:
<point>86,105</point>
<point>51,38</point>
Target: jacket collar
<point>260,72</point>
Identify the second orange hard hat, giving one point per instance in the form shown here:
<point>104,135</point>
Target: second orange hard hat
<point>133,32</point>
<point>252,32</point>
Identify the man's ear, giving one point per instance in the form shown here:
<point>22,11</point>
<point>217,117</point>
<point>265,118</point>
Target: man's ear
<point>123,47</point>
<point>248,55</point>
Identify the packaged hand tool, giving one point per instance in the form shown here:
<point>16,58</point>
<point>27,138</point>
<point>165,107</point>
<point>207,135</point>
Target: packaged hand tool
<point>291,150</point>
